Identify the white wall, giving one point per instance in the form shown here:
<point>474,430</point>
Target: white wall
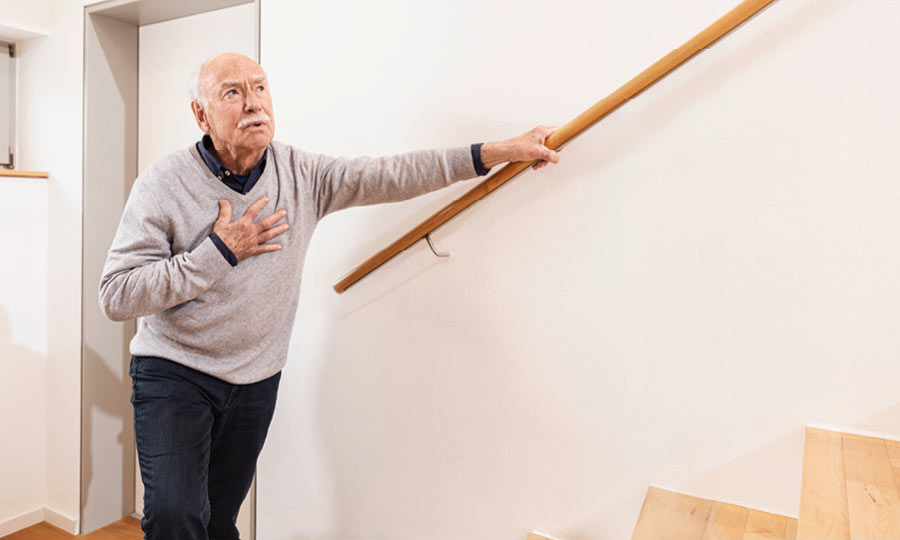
<point>23,347</point>
<point>22,20</point>
<point>708,270</point>
<point>23,318</point>
<point>44,306</point>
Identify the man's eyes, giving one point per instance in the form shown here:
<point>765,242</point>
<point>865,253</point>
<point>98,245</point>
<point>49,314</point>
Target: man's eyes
<point>234,91</point>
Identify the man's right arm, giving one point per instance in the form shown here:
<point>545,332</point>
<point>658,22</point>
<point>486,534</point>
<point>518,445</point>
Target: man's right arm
<point>141,275</point>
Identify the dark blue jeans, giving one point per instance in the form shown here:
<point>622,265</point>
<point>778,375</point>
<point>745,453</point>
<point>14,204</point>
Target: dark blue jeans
<point>198,438</point>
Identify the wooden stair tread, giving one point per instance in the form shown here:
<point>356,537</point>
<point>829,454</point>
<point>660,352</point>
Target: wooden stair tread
<point>765,526</point>
<point>667,515</point>
<point>823,499</point>
<point>726,522</point>
<point>849,487</point>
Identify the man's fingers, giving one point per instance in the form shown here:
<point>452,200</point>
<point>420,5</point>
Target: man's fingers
<point>545,155</point>
<point>224,213</point>
<point>272,233</point>
<point>545,131</point>
<point>255,208</point>
<point>264,248</point>
<point>268,221</point>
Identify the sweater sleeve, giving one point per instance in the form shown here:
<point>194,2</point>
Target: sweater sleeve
<point>141,275</point>
<point>342,183</point>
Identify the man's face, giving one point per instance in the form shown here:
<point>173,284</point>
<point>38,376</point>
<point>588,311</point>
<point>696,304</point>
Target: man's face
<point>238,115</point>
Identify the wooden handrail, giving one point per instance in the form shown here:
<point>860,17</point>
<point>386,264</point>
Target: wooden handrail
<point>12,173</point>
<point>663,66</point>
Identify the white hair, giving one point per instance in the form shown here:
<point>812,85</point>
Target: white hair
<point>196,89</point>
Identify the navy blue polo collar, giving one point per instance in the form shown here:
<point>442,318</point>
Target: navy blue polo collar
<point>242,183</point>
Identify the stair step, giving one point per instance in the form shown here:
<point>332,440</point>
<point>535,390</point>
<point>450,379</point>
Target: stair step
<point>849,487</point>
<point>667,515</point>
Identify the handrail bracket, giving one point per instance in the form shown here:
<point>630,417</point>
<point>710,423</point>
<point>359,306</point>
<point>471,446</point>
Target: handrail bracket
<point>434,249</point>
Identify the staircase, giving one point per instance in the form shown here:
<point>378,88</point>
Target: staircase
<point>849,487</point>
<point>667,515</point>
<point>849,492</point>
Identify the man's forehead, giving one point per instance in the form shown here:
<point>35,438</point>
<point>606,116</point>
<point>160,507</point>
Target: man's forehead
<point>223,83</point>
<point>234,68</point>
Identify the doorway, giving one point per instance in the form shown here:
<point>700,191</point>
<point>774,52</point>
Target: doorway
<point>139,55</point>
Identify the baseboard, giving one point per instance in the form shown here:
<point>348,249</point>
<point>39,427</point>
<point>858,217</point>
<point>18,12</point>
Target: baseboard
<point>36,516</point>
<point>62,521</point>
<point>22,521</point>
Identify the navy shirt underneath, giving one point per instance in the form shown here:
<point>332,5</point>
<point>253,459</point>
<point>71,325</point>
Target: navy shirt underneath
<point>243,183</point>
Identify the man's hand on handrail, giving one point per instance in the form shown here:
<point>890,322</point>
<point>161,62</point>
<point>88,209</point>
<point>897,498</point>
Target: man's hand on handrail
<point>526,147</point>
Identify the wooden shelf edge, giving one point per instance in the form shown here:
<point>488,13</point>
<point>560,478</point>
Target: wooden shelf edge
<point>11,173</point>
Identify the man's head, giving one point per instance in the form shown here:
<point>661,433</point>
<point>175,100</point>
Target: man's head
<point>231,101</point>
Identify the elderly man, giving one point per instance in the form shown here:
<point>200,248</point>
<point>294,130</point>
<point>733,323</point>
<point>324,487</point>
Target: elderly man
<point>217,297</point>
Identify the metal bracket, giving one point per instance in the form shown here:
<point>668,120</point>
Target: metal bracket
<point>434,249</point>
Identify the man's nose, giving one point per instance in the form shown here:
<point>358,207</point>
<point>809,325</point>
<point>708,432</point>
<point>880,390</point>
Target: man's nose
<point>252,101</point>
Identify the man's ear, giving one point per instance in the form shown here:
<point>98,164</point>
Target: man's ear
<point>200,116</point>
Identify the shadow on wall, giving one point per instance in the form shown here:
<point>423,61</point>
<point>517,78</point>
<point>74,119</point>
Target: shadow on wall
<point>884,424</point>
<point>408,439</point>
<point>106,393</point>
<point>22,380</point>
<point>782,458</point>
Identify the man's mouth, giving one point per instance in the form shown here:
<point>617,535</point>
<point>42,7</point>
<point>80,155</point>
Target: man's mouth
<point>254,122</point>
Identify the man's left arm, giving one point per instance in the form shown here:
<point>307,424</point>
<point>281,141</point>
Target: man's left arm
<point>340,183</point>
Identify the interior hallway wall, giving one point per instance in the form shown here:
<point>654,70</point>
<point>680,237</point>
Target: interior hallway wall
<point>23,346</point>
<point>44,232</point>
<point>709,269</point>
<point>23,317</point>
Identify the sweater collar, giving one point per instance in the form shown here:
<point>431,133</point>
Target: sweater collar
<point>238,182</point>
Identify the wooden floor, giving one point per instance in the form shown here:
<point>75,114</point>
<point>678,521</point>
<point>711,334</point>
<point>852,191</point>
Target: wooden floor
<point>667,515</point>
<point>127,528</point>
<point>850,487</point>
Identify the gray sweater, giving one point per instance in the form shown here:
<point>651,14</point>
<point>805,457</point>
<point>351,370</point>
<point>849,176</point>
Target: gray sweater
<point>234,323</point>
